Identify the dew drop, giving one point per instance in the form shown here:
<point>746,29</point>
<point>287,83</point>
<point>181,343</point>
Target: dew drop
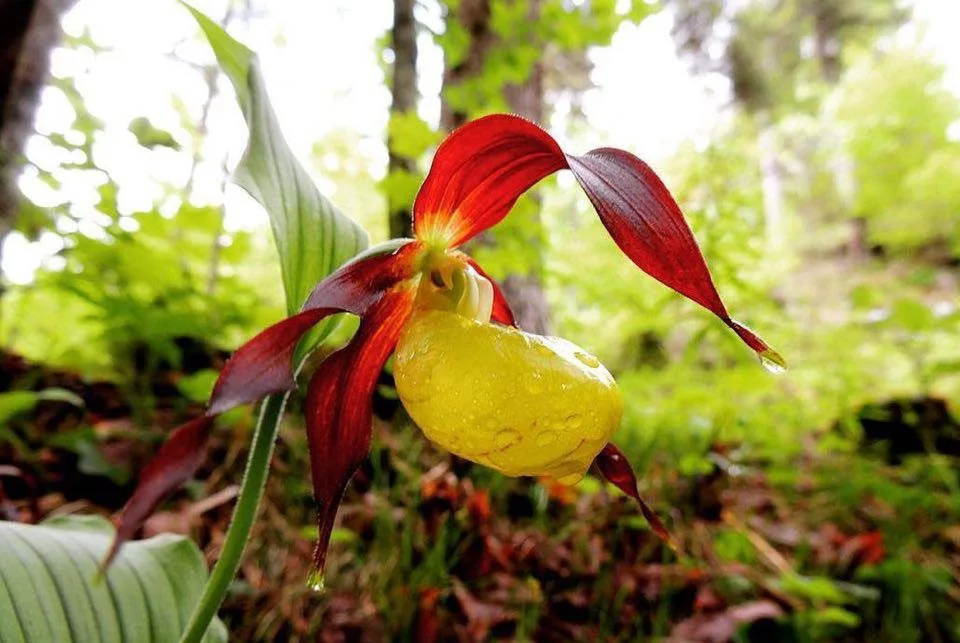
<point>587,360</point>
<point>772,362</point>
<point>533,386</point>
<point>543,350</point>
<point>505,438</point>
<point>547,437</point>
<point>316,581</point>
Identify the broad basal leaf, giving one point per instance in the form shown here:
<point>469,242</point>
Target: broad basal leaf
<point>312,236</point>
<point>50,589</point>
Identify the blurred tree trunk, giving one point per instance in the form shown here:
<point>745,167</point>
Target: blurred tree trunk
<point>403,90</point>
<point>523,291</point>
<point>771,175</point>
<point>827,22</point>
<point>474,16</point>
<point>29,30</point>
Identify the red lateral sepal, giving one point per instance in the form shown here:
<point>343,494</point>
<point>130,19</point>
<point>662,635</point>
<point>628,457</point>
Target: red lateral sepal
<point>173,464</point>
<point>338,407</point>
<point>617,470</point>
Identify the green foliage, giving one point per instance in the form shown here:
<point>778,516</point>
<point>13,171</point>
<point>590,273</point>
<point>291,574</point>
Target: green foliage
<point>897,113</point>
<point>150,137</point>
<point>412,136</point>
<point>50,590</point>
<point>14,403</point>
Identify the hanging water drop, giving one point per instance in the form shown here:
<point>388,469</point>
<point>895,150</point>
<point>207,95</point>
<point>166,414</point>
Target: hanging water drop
<point>772,362</point>
<point>316,581</point>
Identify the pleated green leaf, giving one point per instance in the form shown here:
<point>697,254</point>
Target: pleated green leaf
<point>50,589</point>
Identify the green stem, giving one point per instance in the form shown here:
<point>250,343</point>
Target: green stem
<point>244,513</point>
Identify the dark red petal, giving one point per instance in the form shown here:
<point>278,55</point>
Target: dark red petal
<point>359,283</point>
<point>264,365</point>
<point>477,175</point>
<point>616,468</point>
<point>501,308</point>
<point>338,411</point>
<point>175,463</point>
<point>644,220</point>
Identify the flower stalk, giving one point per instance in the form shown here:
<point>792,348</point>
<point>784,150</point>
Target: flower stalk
<point>244,513</point>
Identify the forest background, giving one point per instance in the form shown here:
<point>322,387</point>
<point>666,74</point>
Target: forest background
<point>814,146</point>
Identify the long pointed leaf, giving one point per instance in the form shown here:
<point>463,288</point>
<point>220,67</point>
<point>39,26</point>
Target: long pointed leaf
<point>313,237</point>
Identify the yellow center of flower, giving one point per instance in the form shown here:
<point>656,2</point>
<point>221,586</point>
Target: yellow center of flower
<point>523,404</point>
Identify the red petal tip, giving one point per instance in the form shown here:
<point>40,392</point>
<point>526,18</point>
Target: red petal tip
<point>175,463</point>
<point>338,408</point>
<point>616,469</point>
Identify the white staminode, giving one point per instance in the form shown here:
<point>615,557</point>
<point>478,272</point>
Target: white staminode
<point>477,299</point>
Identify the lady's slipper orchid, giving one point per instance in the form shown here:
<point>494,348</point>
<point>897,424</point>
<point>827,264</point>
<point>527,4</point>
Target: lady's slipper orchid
<point>520,403</point>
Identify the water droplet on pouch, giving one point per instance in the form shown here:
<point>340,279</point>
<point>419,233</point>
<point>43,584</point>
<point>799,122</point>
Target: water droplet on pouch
<point>587,360</point>
<point>506,438</point>
<point>547,437</point>
<point>543,349</point>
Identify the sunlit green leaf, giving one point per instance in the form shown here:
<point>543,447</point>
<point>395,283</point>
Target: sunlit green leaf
<point>149,136</point>
<point>313,237</point>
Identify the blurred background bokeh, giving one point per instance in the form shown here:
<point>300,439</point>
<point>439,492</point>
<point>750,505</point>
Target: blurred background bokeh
<point>814,146</point>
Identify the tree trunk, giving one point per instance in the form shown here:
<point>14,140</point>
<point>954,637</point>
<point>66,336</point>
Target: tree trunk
<point>29,30</point>
<point>524,292</point>
<point>827,21</point>
<point>403,91</point>
<point>771,185</point>
<point>474,16</point>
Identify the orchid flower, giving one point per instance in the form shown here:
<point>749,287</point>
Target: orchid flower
<point>476,385</point>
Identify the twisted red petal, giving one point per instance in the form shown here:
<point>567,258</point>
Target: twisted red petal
<point>264,365</point>
<point>502,314</point>
<point>338,411</point>
<point>359,283</point>
<point>640,214</point>
<point>175,463</point>
<point>616,469</point>
<point>480,171</point>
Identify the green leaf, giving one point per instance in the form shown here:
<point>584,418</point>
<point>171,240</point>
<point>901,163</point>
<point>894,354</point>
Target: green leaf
<point>313,237</point>
<point>198,386</point>
<point>50,591</point>
<point>14,403</point>
<point>84,442</point>
<point>150,137</point>
<point>410,136</point>
<point>912,315</point>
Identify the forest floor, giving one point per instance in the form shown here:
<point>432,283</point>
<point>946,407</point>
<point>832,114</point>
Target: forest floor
<point>826,544</point>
